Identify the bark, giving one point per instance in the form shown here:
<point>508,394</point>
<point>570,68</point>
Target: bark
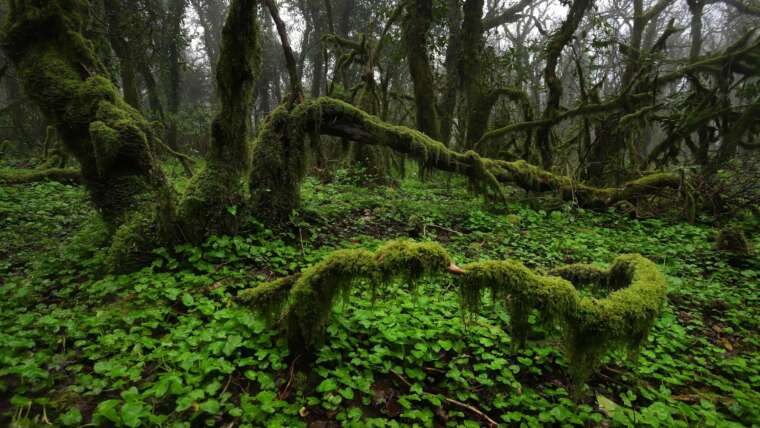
<point>451,88</point>
<point>556,43</point>
<point>211,17</point>
<point>217,192</point>
<point>695,7</point>
<point>296,92</point>
<point>509,15</point>
<point>317,49</point>
<point>111,140</point>
<point>471,71</point>
<point>417,22</point>
<point>154,99</point>
<point>120,22</point>
<point>174,17</point>
<point>16,109</point>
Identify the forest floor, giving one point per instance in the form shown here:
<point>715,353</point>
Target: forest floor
<point>170,345</point>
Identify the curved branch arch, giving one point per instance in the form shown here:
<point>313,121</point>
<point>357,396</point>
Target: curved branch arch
<point>281,139</point>
<point>591,327</point>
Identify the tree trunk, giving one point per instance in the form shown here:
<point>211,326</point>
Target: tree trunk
<point>174,17</point>
<point>471,71</point>
<point>556,43</point>
<point>215,202</point>
<point>449,97</point>
<point>118,18</point>
<point>419,16</point>
<point>111,140</point>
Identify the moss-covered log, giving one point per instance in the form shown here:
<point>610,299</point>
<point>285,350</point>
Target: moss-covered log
<point>333,117</point>
<point>23,176</point>
<point>279,155</point>
<point>591,327</point>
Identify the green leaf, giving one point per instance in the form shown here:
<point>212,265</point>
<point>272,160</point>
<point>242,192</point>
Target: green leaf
<point>347,393</point>
<point>606,405</point>
<point>131,413</point>
<point>327,385</point>
<point>107,410</point>
<point>210,406</point>
<point>72,417</point>
<point>446,344</point>
<point>187,299</point>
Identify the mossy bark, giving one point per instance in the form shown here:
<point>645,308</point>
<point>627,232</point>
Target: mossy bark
<point>471,72</point>
<point>111,140</point>
<point>278,167</point>
<point>211,203</point>
<point>417,22</point>
<point>554,48</point>
<point>448,100</point>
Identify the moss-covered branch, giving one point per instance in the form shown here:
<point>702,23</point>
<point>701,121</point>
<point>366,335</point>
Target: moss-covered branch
<point>333,117</point>
<point>23,176</point>
<point>305,301</point>
<point>591,327</point>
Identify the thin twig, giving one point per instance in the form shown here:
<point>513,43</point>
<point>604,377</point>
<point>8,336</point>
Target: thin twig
<point>284,393</point>
<point>229,379</point>
<point>466,406</point>
<point>456,232</point>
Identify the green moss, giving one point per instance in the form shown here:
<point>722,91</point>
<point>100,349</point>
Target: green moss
<point>520,289</point>
<point>410,260</point>
<point>21,176</point>
<point>621,320</point>
<point>278,166</point>
<point>591,327</point>
<point>315,292</point>
<point>308,299</point>
<point>133,242</point>
<point>270,298</point>
<point>646,185</point>
<point>581,274</point>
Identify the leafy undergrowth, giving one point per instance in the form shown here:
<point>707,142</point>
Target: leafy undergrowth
<point>171,346</point>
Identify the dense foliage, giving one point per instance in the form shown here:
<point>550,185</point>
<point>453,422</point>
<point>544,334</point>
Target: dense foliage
<point>170,344</point>
<point>379,213</point>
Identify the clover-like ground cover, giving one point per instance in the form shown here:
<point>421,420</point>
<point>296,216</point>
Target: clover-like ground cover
<point>172,345</point>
